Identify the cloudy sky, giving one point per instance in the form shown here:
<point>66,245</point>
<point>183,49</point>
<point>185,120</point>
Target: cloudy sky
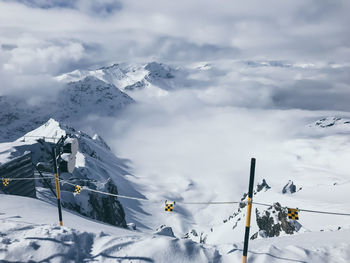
<point>54,36</point>
<point>40,39</point>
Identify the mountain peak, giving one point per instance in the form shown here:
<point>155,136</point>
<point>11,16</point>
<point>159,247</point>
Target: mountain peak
<point>158,70</point>
<point>50,129</point>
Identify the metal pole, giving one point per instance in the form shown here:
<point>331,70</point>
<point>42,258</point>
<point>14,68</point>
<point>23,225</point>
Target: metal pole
<point>249,209</point>
<point>57,186</point>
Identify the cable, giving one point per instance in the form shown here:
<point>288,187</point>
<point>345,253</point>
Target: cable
<point>208,203</point>
<point>199,203</point>
<point>308,210</point>
<point>37,136</point>
<point>323,212</point>
<point>27,178</point>
<point>105,193</point>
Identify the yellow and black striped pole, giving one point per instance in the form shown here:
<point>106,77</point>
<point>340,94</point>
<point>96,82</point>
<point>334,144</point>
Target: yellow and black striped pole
<point>57,186</point>
<point>249,209</point>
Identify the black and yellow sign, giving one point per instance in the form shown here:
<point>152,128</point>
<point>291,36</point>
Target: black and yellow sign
<point>77,189</point>
<point>5,181</point>
<point>293,214</point>
<point>169,206</point>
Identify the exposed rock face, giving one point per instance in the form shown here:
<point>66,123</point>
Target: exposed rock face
<point>193,235</point>
<point>273,221</point>
<point>289,188</point>
<point>262,186</point>
<point>107,208</point>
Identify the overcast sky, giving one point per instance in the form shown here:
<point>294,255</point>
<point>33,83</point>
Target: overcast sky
<point>40,39</point>
<point>60,35</point>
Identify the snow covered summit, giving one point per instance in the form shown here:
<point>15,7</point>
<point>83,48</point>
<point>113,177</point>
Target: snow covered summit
<point>96,168</point>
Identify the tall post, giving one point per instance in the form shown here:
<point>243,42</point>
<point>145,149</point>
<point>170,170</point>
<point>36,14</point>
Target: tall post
<point>57,185</point>
<point>249,209</point>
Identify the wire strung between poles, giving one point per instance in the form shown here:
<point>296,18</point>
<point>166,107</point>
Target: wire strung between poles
<point>27,178</point>
<point>308,210</point>
<point>208,203</point>
<point>105,193</point>
<point>201,203</point>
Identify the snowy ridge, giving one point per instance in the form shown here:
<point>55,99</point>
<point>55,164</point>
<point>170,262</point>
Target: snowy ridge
<point>96,167</point>
<point>130,77</point>
<point>74,104</point>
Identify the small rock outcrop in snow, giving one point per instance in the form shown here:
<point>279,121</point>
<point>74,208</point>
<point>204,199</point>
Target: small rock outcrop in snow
<point>289,188</point>
<point>165,231</point>
<point>274,221</point>
<point>262,186</point>
<point>199,238</point>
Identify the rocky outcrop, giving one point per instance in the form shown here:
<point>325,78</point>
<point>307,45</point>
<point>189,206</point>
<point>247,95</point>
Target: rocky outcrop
<point>193,235</point>
<point>165,231</point>
<point>289,188</point>
<point>274,221</point>
<point>107,208</point>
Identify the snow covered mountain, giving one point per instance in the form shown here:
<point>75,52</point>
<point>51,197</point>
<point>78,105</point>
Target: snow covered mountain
<point>74,104</point>
<point>129,77</point>
<point>97,168</point>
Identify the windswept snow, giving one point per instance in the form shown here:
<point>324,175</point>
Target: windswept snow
<point>29,233</point>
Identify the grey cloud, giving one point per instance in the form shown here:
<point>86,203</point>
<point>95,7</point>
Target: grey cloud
<point>46,4</point>
<point>312,95</point>
<point>181,50</point>
<point>93,7</point>
<point>8,46</point>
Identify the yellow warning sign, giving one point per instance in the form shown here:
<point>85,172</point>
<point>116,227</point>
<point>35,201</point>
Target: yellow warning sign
<point>5,182</point>
<point>77,189</point>
<point>169,206</point>
<point>293,213</point>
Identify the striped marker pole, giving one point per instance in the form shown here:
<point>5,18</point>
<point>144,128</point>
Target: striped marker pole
<point>249,209</point>
<point>57,186</point>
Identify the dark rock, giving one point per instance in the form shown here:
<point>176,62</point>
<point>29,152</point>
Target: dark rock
<point>107,209</point>
<point>289,188</point>
<point>262,186</point>
<point>274,220</point>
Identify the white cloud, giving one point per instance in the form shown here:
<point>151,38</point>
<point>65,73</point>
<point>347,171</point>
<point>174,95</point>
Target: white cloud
<point>50,37</point>
<point>33,59</point>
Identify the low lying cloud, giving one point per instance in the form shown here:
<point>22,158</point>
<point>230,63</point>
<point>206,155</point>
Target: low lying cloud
<point>172,138</point>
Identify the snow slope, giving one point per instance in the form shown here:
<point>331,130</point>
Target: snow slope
<point>29,233</point>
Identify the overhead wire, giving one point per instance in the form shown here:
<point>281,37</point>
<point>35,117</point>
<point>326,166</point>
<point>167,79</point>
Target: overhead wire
<point>177,202</point>
<point>26,178</point>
